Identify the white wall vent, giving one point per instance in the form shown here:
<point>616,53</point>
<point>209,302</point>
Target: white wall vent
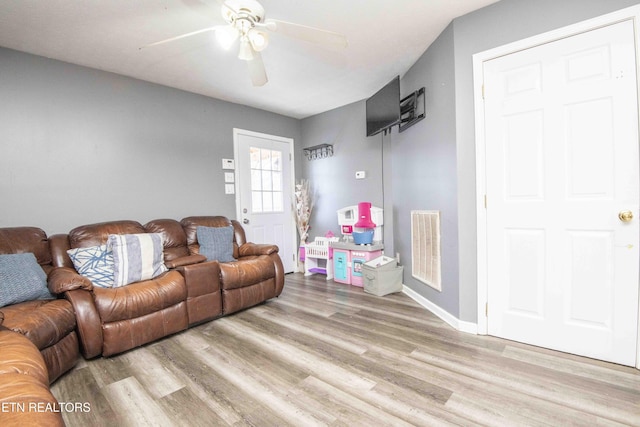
<point>425,248</point>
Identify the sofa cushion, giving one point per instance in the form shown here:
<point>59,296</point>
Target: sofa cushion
<point>136,257</point>
<point>21,279</point>
<point>246,272</point>
<point>95,263</point>
<point>140,298</point>
<point>216,243</point>
<point>44,322</point>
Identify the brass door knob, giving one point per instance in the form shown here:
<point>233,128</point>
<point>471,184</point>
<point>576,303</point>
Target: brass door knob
<point>625,216</point>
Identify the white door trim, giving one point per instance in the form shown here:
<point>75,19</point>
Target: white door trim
<point>630,13</point>
<point>290,141</point>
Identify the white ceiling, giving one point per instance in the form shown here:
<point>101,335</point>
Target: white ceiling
<point>385,38</point>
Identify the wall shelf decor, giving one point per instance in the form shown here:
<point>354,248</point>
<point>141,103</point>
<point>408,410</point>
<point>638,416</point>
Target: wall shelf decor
<point>318,151</point>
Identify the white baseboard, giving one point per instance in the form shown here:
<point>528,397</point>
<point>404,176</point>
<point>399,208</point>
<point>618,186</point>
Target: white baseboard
<point>454,322</point>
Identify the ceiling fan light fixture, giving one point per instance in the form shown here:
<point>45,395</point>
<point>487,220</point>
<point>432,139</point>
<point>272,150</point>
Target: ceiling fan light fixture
<point>226,36</point>
<point>246,51</point>
<point>259,39</point>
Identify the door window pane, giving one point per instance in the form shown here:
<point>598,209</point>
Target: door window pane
<point>266,159</point>
<point>256,180</point>
<point>277,181</point>
<point>276,161</point>
<point>266,180</point>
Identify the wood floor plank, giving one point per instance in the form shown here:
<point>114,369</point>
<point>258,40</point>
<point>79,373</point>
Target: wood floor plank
<point>330,354</point>
<point>156,379</point>
<point>135,406</point>
<point>80,386</point>
<point>187,409</point>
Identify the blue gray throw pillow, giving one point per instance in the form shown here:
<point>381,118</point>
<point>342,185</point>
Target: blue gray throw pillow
<point>21,279</point>
<point>216,243</point>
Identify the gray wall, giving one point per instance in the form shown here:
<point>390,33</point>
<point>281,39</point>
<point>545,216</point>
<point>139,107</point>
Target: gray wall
<point>432,164</point>
<point>424,168</point>
<point>333,178</point>
<point>80,146</point>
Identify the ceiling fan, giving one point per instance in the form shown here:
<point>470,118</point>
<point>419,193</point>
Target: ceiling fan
<point>245,21</point>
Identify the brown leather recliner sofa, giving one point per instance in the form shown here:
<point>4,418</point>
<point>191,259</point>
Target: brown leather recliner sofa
<point>25,399</point>
<point>193,291</point>
<point>38,342</point>
<point>98,321</point>
<point>49,324</point>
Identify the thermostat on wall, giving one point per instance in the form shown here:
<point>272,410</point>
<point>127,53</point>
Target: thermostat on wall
<point>228,164</point>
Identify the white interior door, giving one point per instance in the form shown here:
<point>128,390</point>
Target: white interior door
<point>264,175</point>
<point>561,135</point>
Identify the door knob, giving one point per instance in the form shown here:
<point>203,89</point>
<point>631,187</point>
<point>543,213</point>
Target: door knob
<point>625,216</point>
<point>245,221</point>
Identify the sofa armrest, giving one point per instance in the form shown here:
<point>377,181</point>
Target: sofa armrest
<point>64,279</point>
<point>255,249</point>
<point>202,278</point>
<point>89,325</point>
<point>24,381</point>
<point>185,260</point>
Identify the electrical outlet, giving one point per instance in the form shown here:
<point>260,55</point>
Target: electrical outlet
<point>361,175</point>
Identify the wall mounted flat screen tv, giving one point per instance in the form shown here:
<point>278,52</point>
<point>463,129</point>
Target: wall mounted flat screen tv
<point>383,108</point>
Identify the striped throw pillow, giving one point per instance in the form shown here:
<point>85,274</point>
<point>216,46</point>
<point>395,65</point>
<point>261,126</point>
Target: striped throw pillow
<point>136,257</point>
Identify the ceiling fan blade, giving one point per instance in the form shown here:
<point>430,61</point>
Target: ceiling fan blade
<point>193,33</point>
<point>257,73</point>
<point>310,34</point>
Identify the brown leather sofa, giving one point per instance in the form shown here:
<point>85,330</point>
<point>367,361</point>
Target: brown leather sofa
<point>105,321</point>
<point>49,324</point>
<point>25,399</point>
<point>113,320</point>
<point>257,276</point>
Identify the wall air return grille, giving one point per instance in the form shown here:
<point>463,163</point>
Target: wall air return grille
<point>425,247</point>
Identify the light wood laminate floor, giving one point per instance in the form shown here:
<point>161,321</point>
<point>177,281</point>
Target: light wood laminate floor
<point>329,354</point>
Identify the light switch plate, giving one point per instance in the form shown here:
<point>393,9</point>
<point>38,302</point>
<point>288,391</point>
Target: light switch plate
<point>229,189</point>
<point>229,177</point>
<point>228,164</point>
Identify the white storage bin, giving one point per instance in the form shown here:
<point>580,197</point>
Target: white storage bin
<point>382,276</point>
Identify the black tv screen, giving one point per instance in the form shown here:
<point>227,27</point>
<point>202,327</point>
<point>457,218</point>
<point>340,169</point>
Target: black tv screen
<point>383,108</point>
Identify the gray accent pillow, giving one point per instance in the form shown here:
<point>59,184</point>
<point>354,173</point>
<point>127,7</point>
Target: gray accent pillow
<point>216,243</point>
<point>22,279</point>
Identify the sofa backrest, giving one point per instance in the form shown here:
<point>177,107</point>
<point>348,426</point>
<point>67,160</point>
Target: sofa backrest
<point>18,240</point>
<point>174,238</point>
<point>98,234</point>
<point>191,223</point>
